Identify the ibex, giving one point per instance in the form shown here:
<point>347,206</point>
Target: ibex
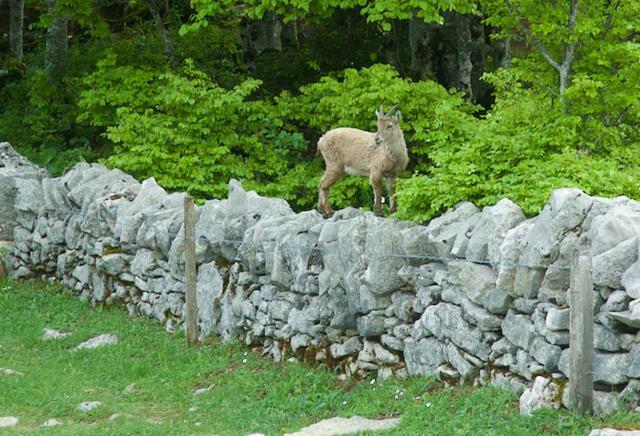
<point>356,152</point>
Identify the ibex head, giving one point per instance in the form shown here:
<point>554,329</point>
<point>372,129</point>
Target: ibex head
<point>389,124</point>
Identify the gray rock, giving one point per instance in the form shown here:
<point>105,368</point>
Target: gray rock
<point>474,280</point>
<point>548,355</point>
<point>620,223</point>
<point>88,406</point>
<point>609,368</point>
<point>423,357</point>
<point>457,359</point>
<point>609,266</point>
<point>144,262</point>
<point>605,403</point>
<point>372,324</point>
<point>384,356</point>
<point>497,301</point>
<point>49,334</point>
<point>392,342</point>
<point>518,329</point>
<point>445,320</point>
<point>542,394</point>
<point>340,426</point>
<point>403,305</point>
<point>99,341</point>
<point>113,264</point>
<point>209,290</point>
<point>631,281</point>
<point>613,432</point>
<point>438,238</point>
<point>8,421</point>
<point>349,347</point>
<point>51,423</point>
<point>557,319</point>
<point>605,339</point>
<point>490,232</point>
<point>509,254</point>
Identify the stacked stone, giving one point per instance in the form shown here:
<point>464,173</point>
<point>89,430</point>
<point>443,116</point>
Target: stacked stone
<point>475,296</point>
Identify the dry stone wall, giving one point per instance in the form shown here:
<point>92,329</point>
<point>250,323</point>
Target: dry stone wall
<point>475,296</point>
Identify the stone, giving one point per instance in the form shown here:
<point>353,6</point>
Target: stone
<point>343,426</point>
<point>350,346</point>
<point>9,372</point>
<point>113,264</point>
<point>8,421</point>
<point>445,320</point>
<point>209,290</point>
<point>403,305</point>
<point>474,280</point>
<point>497,301</point>
<point>542,394</point>
<point>605,339</point>
<point>609,266</point>
<point>605,403</point>
<point>392,342</point>
<point>609,368</point>
<point>548,355</point>
<point>557,319</point>
<point>491,230</point>
<point>631,281</point>
<point>99,341</point>
<point>620,223</point>
<point>372,324</point>
<point>424,356</point>
<point>613,432</point>
<point>384,356</point>
<point>518,329</point>
<point>88,406</point>
<point>51,423</point>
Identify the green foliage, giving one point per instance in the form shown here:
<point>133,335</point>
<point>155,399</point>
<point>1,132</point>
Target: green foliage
<point>190,133</point>
<point>526,147</point>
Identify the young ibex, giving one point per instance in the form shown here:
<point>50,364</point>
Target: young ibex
<point>356,152</point>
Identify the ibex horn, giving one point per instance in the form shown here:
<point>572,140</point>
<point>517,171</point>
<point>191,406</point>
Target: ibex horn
<point>392,110</point>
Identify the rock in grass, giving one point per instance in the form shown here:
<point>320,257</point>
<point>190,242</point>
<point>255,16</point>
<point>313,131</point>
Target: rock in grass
<point>50,334</point>
<point>613,432</point>
<point>51,423</point>
<point>338,426</point>
<point>9,371</point>
<point>88,406</point>
<point>8,421</point>
<point>99,341</point>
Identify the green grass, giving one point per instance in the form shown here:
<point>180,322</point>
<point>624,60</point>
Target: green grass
<point>255,396</point>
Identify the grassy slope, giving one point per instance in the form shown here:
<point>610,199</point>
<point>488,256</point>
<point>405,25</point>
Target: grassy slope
<point>254,396</point>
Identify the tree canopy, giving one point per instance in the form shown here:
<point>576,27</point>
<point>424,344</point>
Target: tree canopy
<point>500,98</point>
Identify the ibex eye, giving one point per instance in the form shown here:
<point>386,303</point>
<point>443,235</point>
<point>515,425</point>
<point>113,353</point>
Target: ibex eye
<point>389,126</point>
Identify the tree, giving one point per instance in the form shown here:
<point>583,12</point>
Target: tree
<point>15,28</point>
<point>57,44</point>
<point>154,8</point>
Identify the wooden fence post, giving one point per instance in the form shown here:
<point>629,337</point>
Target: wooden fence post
<point>191,301</point>
<point>581,331</point>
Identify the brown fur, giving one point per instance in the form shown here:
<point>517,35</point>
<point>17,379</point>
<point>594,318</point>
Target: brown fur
<point>380,155</point>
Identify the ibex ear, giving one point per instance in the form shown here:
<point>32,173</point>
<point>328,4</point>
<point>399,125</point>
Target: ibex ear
<point>398,117</point>
<point>380,112</point>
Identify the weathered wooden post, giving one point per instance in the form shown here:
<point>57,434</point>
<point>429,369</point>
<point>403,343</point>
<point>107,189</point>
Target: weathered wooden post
<point>191,302</point>
<point>581,330</point>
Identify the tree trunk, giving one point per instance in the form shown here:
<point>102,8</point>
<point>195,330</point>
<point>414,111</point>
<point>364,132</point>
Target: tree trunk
<point>154,8</point>
<point>464,49</point>
<point>56,44</point>
<point>421,64</point>
<point>268,33</point>
<point>15,28</point>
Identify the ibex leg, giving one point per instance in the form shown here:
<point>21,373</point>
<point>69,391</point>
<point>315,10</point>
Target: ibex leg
<point>329,179</point>
<point>391,191</point>
<point>376,182</point>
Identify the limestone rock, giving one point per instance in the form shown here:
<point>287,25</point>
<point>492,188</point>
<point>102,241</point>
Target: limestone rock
<point>341,426</point>
<point>543,393</point>
<point>99,341</point>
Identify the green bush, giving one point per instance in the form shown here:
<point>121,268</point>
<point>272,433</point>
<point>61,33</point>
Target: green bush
<point>192,134</point>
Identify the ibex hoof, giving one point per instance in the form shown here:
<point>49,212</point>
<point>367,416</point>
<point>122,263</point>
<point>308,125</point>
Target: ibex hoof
<point>327,215</point>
